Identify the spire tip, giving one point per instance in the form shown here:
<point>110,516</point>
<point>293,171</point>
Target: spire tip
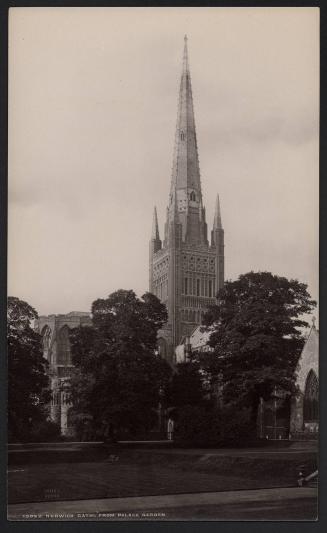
<point>217,219</point>
<point>155,226</point>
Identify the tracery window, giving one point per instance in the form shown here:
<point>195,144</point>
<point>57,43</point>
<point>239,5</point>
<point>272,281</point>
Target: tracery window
<point>46,335</point>
<point>63,346</point>
<point>311,398</point>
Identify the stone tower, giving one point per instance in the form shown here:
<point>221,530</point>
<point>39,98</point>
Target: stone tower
<point>185,271</point>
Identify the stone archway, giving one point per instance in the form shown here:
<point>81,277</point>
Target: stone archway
<point>63,347</point>
<point>46,338</point>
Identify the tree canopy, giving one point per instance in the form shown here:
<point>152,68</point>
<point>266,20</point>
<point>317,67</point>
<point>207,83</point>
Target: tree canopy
<point>187,385</point>
<point>28,392</point>
<point>119,374</point>
<point>257,337</point>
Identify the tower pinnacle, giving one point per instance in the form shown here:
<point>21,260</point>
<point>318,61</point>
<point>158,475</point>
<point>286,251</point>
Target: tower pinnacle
<point>155,226</point>
<point>217,220</point>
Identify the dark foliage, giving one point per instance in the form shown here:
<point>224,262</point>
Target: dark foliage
<point>206,425</point>
<point>28,393</point>
<point>257,336</point>
<point>187,385</point>
<point>44,431</point>
<point>118,375</point>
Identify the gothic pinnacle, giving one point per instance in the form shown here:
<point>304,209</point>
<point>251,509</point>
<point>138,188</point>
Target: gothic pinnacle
<point>200,210</point>
<point>155,227</point>
<point>217,220</point>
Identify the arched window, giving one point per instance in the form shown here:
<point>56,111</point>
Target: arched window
<point>210,288</point>
<point>182,135</point>
<point>46,336</point>
<point>185,286</point>
<point>162,348</point>
<point>63,347</point>
<point>311,398</point>
<point>192,196</point>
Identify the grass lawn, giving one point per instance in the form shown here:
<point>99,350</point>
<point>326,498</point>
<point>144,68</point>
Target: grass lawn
<point>264,510</point>
<point>141,473</point>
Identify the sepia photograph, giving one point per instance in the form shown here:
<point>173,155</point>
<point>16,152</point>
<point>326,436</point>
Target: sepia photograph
<point>163,264</point>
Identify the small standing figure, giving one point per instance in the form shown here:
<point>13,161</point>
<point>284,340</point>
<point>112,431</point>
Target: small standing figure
<point>170,428</point>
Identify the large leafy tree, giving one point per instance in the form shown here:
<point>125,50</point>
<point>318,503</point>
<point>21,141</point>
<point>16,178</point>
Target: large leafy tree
<point>187,385</point>
<point>257,338</point>
<point>119,375</point>
<point>28,392</point>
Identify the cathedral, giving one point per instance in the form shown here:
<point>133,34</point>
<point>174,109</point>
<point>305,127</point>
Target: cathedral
<point>185,273</point>
<point>185,270</point>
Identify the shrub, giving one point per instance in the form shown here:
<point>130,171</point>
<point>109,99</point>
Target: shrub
<point>44,431</point>
<point>205,425</point>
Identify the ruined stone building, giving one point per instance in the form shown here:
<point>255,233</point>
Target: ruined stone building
<point>56,350</point>
<point>185,270</point>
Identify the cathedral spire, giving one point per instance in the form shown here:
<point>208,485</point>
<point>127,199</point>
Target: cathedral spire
<point>217,220</point>
<point>185,56</point>
<point>185,271</point>
<point>185,192</point>
<point>155,226</point>
<point>186,172</point>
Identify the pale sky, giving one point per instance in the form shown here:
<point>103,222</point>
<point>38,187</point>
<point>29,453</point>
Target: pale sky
<point>92,113</point>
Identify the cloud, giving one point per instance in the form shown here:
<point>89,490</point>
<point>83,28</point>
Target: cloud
<point>92,109</point>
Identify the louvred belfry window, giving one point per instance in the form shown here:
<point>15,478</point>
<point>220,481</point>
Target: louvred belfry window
<point>185,286</point>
